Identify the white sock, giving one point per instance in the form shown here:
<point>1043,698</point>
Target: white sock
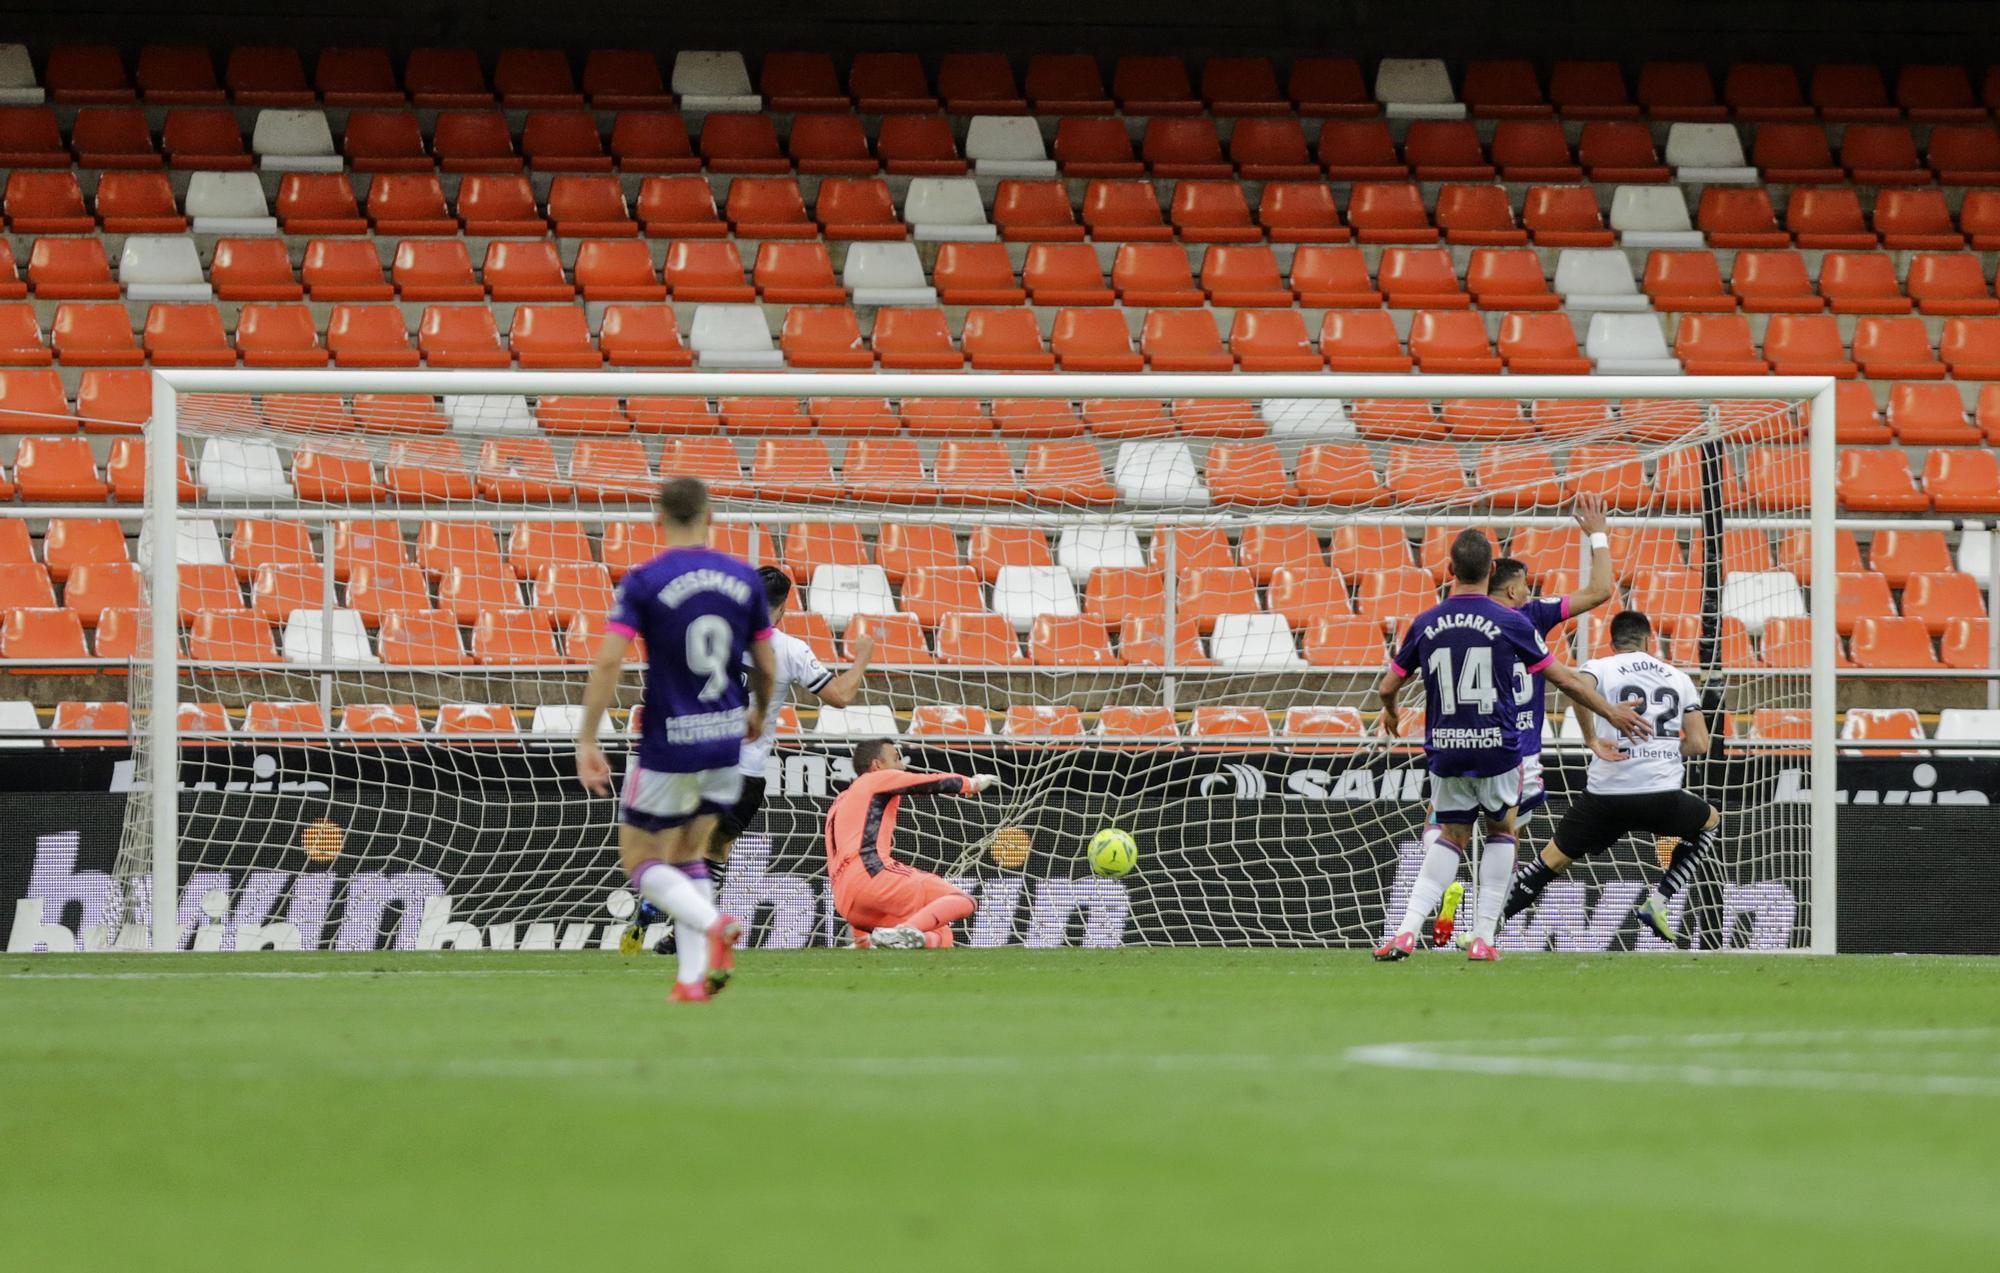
<point>1440,868</point>
<point>686,900</point>
<point>691,943</point>
<point>1496,874</point>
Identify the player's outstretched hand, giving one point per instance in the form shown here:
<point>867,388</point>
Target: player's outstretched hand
<point>593,770</point>
<point>1589,513</point>
<point>1605,749</point>
<point>1628,722</point>
<point>864,649</point>
<point>979,784</point>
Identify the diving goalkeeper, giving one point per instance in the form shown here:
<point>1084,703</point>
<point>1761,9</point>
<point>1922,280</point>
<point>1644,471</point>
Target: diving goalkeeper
<point>887,903</point>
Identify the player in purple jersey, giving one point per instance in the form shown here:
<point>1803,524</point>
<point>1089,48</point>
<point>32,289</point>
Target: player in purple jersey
<point>1509,586</point>
<point>1478,659</point>
<point>701,613</point>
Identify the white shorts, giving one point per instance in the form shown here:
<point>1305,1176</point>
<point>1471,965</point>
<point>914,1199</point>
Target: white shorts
<point>1461,799</point>
<point>654,801</point>
<point>1534,787</point>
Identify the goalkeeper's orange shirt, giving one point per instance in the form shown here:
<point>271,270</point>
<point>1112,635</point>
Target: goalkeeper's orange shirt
<point>862,822</point>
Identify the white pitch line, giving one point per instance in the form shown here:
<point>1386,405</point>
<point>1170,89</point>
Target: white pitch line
<point>1530,1058</point>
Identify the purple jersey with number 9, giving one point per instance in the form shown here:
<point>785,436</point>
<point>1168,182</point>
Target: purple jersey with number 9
<point>698,611</point>
<point>1478,659</point>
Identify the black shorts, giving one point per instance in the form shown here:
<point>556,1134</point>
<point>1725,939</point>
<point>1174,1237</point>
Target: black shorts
<point>1594,823</point>
<point>737,818</point>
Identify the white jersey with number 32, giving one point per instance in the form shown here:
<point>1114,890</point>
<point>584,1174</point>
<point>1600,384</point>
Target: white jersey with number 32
<point>1660,692</point>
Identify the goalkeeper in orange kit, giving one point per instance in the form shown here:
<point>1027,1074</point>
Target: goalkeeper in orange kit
<point>888,904</point>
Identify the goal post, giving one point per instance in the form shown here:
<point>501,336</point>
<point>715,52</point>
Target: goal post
<point>1699,423</point>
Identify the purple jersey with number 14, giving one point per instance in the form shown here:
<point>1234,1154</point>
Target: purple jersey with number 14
<point>698,611</point>
<point>1478,659</point>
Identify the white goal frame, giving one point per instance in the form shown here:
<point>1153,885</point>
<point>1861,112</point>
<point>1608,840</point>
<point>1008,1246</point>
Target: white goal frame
<point>162,511</point>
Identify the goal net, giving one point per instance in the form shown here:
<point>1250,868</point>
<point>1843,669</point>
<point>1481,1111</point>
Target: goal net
<point>1153,603</point>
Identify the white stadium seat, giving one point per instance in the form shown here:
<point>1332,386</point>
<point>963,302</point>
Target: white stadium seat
<point>1316,418</point>
<point>1082,549</point>
<point>562,720</point>
<point>1007,146</point>
<point>1757,597</point>
<point>294,141</point>
<point>841,592</point>
<point>306,634</point>
<point>162,268</point>
<point>489,413</point>
<point>19,714</point>
<point>243,468</point>
<point>1157,473</point>
<point>1254,641</point>
<point>864,720</point>
<point>714,80</point>
<point>228,203</point>
<point>1022,594</point>
<point>196,543</point>
<point>947,209</point>
<point>1629,345</point>
<point>1707,154</point>
<point>733,336</point>
<point>886,274</point>
<point>1653,217</point>
<point>1416,88</point>
<point>18,86</point>
<point>1598,279</point>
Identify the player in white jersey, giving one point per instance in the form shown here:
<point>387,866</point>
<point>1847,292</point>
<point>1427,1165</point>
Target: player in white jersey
<point>1634,785</point>
<point>796,665</point>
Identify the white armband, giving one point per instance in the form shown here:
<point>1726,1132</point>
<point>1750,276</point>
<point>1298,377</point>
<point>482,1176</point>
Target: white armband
<point>1599,541</point>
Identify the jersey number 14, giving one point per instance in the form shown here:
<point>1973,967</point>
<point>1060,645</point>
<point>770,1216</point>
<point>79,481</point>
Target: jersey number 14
<point>1473,686</point>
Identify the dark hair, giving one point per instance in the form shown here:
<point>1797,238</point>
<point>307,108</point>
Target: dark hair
<point>1471,556</point>
<point>870,750</point>
<point>777,585</point>
<point>682,500</point>
<point>1630,630</point>
<point>1505,571</point>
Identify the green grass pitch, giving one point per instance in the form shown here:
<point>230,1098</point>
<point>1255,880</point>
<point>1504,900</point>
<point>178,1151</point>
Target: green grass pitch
<point>971,1110</point>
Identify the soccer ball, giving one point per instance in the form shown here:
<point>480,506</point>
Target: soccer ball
<point>1112,853</point>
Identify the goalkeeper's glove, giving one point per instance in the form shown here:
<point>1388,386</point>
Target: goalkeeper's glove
<point>979,783</point>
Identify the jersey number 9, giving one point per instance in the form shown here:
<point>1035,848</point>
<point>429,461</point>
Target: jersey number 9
<point>708,645</point>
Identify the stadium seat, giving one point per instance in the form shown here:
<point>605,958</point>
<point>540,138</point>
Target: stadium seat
<point>1124,211</point>
<point>739,143</point>
<point>1212,212</point>
<point>642,336</point>
<point>1300,212</point>
<point>1093,340</point>
<point>1964,155</point>
<point>1451,343</point>
<point>650,141</point>
<point>899,641</point>
<point>1965,480</point>
<point>525,272</point>
<point>1362,341</point>
<point>1266,149</point>
<point>919,145</point>
<point>1965,643</point>
<point>1895,349</point>
<point>1069,641</point>
<point>1889,641</point>
<point>439,77</point>
<point>1806,345</point>
<point>1004,340</point>
<point>1686,282</point>
<point>1940,597</point>
<point>1916,220</point>
<point>854,208</point>
<point>1534,149</point>
<point>42,634</point>
<point>1717,345</point>
<point>1564,217</point>
<point>584,206</point>
<point>1042,721</point>
<point>977,638</point>
<point>1021,594</point>
<point>801,82</point>
<point>505,205</point>
<point>1478,216</point>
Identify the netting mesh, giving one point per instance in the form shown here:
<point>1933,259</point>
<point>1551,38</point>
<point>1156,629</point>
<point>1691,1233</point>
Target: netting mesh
<point>1165,615</point>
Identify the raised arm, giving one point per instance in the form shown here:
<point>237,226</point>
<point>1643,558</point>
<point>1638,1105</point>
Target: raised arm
<point>592,770</point>
<point>1582,690</point>
<point>1589,510</point>
<point>840,691</point>
<point>912,782</point>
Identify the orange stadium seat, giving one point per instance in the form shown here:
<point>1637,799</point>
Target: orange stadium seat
<point>1879,481</point>
<point>885,83</point>
<point>21,342</point>
<point>1363,341</point>
<point>979,638</point>
<point>418,636</point>
<point>1271,150</point>
<point>1807,345</point>
<point>1445,150</point>
<point>1184,147</point>
<point>768,208</point>
<point>1938,598</point>
<point>1565,216</point>
<point>1334,278</point>
<point>1117,593</point>
<point>1965,480</point>
<point>898,638</point>
<point>1004,340</point>
<point>1686,282</point>
<point>979,84</point>
<point>617,270</point>
<point>919,145</point>
<point>1065,274</point>
<point>801,82</point>
<point>1965,643</point>
<point>1452,343</point>
<point>1212,212</point>
<point>460,336</point>
<point>1620,151</point>
<point>445,77</point>
<point>649,141</point>
<point>1390,598</point>
<point>71,270</point>
<point>500,204</point>
<point>1889,641</point>
<point>740,143</point>
<point>1094,340</point>
<point>583,206</point>
<point>1124,211</point>
<point>1733,217</point>
<point>474,141</point>
<point>1042,721</point>
<point>1420,278</point>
